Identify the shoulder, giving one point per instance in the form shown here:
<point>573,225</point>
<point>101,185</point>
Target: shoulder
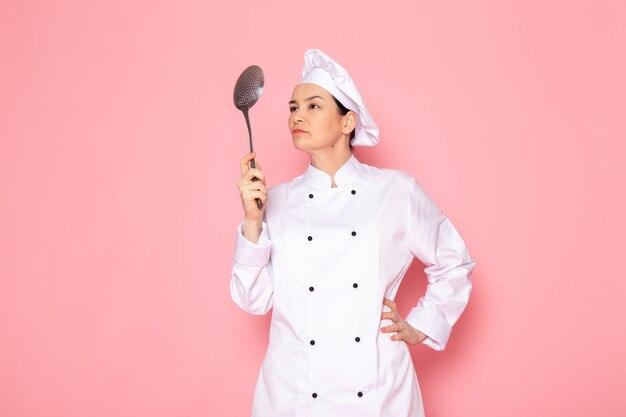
<point>389,176</point>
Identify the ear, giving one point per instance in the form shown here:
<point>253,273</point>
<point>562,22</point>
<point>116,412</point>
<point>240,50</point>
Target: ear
<point>349,122</point>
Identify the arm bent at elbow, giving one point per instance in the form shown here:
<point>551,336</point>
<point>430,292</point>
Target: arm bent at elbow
<point>433,239</point>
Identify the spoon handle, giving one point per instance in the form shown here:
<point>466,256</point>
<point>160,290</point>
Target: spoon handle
<point>259,204</point>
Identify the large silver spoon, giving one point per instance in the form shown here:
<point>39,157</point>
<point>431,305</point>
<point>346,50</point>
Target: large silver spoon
<point>248,89</point>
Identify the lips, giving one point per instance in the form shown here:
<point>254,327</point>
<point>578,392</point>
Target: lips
<point>297,131</point>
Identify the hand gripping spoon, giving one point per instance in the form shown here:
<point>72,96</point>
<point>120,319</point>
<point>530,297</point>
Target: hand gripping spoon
<point>247,91</point>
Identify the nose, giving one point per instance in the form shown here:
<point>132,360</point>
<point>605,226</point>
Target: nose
<point>296,117</point>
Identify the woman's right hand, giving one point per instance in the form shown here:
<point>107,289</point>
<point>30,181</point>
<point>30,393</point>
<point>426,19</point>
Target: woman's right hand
<point>250,190</point>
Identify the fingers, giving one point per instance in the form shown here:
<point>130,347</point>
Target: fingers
<point>252,195</point>
<point>248,173</point>
<point>398,326</point>
<point>404,331</point>
<point>246,159</point>
<point>253,190</point>
<point>252,173</point>
<point>391,315</point>
<point>400,336</point>
<point>390,303</point>
<point>252,180</point>
<point>251,186</point>
<point>401,326</point>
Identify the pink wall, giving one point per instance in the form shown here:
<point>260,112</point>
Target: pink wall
<point>119,155</point>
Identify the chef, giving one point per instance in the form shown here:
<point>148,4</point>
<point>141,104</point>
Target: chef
<point>327,253</point>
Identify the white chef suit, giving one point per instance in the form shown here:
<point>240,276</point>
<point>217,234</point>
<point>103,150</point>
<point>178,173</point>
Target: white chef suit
<point>324,261</point>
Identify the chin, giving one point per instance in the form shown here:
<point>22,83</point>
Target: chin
<point>300,144</point>
<point>310,145</point>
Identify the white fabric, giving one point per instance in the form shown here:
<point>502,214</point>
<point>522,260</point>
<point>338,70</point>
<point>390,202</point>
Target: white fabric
<point>321,70</point>
<point>394,220</point>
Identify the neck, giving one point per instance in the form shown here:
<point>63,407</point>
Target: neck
<point>330,161</point>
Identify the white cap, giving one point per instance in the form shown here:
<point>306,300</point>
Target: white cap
<point>321,70</point>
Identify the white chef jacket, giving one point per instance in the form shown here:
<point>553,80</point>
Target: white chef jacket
<point>324,261</point>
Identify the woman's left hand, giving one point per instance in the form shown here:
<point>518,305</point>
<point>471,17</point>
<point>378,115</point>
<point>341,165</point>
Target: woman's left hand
<point>406,332</point>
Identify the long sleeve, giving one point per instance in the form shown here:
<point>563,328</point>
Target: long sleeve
<point>251,286</point>
<point>432,238</point>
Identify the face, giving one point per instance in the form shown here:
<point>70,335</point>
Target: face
<point>314,119</point>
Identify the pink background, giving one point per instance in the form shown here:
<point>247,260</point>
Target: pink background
<point>119,157</point>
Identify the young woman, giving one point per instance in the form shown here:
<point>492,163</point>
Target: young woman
<point>328,251</point>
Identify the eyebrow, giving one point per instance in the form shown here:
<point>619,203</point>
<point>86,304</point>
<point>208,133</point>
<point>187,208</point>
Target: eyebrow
<point>310,98</point>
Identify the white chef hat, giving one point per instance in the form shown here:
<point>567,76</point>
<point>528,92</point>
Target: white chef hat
<point>321,70</point>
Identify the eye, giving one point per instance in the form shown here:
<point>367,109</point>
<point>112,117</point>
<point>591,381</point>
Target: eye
<point>292,109</point>
<point>314,106</point>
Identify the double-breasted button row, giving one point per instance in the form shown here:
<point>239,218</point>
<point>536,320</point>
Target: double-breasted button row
<point>360,394</point>
<point>354,285</point>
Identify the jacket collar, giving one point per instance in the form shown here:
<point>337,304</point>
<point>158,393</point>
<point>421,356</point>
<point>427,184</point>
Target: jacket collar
<point>346,174</point>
